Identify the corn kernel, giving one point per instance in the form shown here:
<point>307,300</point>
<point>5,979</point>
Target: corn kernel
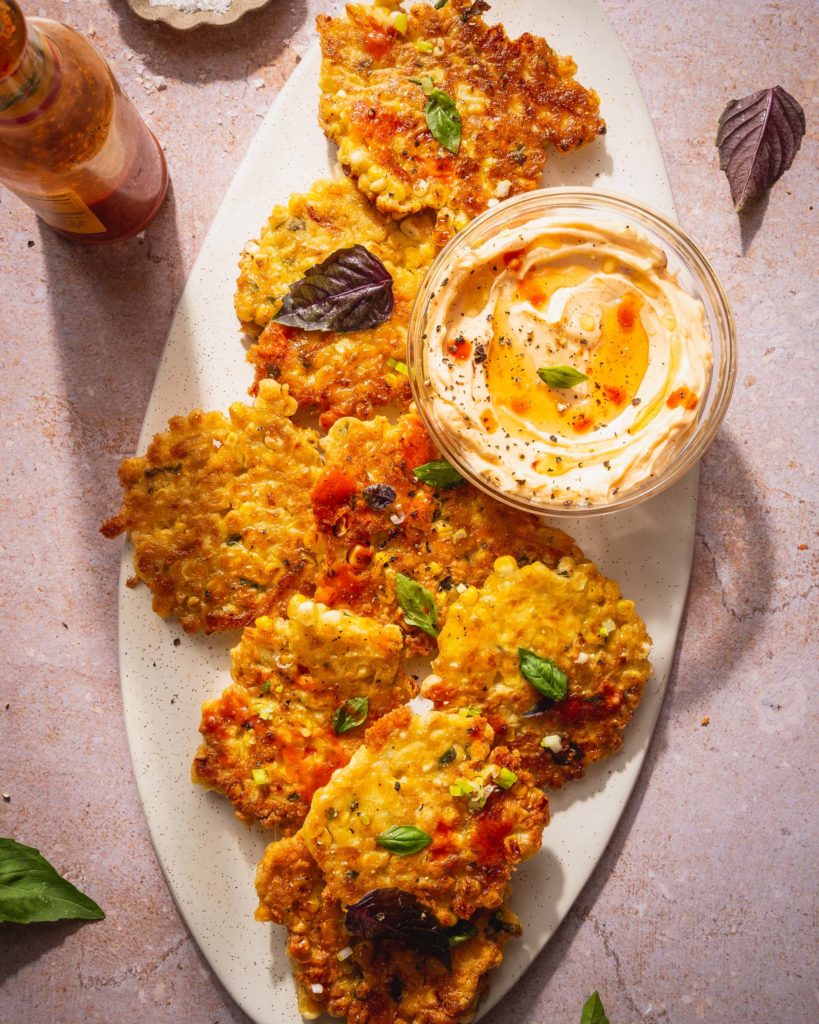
<point>505,564</point>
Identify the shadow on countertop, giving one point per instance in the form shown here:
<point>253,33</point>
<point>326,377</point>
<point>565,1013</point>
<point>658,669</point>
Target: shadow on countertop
<point>111,306</point>
<point>213,52</point>
<point>23,944</point>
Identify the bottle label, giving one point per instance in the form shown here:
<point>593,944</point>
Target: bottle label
<point>63,210</point>
<point>33,87</point>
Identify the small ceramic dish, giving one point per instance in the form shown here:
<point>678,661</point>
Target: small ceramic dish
<point>226,12</point>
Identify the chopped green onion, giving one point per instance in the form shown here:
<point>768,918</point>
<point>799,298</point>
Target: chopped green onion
<point>423,46</point>
<point>469,712</point>
<point>463,787</point>
<point>398,366</point>
<point>260,776</point>
<point>265,714</point>
<point>607,626</point>
<point>426,83</point>
<point>506,778</point>
<point>551,741</point>
<point>477,801</point>
<point>399,21</point>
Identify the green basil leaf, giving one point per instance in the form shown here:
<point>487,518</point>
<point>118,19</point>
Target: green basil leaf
<point>543,674</point>
<point>438,473</point>
<point>448,756</point>
<point>31,890</point>
<point>404,840</point>
<point>593,1012</point>
<point>460,932</point>
<point>443,120</point>
<point>417,604</point>
<point>561,376</point>
<point>352,713</point>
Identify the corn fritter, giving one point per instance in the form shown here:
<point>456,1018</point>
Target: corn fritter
<point>436,773</point>
<point>445,539</point>
<point>513,99</point>
<point>218,511</point>
<point>574,617</point>
<point>272,737</point>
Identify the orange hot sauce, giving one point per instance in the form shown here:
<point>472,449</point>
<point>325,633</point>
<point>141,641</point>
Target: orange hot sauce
<point>72,145</point>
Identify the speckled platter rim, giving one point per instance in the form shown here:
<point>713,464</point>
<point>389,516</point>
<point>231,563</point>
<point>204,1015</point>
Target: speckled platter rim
<point>209,859</point>
<point>184,20</point>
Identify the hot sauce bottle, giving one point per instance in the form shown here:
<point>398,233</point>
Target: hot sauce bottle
<point>72,145</point>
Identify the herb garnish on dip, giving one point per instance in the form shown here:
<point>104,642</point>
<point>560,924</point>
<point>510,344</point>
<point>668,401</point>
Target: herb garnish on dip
<point>566,359</point>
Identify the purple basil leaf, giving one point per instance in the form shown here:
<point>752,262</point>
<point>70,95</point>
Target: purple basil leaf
<point>400,916</point>
<point>758,137</point>
<point>350,291</point>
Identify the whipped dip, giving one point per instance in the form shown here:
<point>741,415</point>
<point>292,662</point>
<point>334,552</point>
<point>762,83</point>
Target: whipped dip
<point>565,362</point>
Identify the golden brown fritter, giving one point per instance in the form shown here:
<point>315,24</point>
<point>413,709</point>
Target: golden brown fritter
<point>400,986</point>
<point>270,740</point>
<point>291,893</point>
<point>573,616</point>
<point>436,773</point>
<point>331,215</point>
<point>514,98</point>
<point>338,373</point>
<point>370,982</point>
<point>446,540</point>
<point>219,512</point>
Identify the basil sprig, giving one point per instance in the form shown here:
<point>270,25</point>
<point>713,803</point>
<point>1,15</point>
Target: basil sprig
<point>593,1012</point>
<point>404,840</point>
<point>438,473</point>
<point>561,376</point>
<point>349,291</point>
<point>31,890</point>
<point>352,713</point>
<point>443,119</point>
<point>543,674</point>
<point>417,604</point>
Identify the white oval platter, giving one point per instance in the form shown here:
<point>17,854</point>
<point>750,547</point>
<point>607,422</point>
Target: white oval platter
<point>208,858</point>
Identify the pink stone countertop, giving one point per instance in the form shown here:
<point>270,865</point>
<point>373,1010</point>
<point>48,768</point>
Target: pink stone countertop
<point>702,908</point>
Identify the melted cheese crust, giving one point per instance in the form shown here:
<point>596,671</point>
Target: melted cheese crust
<point>402,776</point>
<point>372,983</point>
<point>339,373</point>
<point>573,616</point>
<point>269,740</point>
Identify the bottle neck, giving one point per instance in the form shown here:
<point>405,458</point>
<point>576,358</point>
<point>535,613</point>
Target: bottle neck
<point>30,86</point>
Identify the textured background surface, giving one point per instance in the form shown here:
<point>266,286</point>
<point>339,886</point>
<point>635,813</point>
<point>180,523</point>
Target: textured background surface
<point>702,908</point>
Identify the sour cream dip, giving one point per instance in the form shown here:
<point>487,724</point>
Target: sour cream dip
<point>564,360</point>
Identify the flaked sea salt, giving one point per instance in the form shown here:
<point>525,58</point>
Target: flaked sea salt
<point>194,6</point>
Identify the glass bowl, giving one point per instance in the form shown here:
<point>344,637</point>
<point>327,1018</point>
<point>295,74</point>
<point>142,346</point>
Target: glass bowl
<point>694,274</point>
